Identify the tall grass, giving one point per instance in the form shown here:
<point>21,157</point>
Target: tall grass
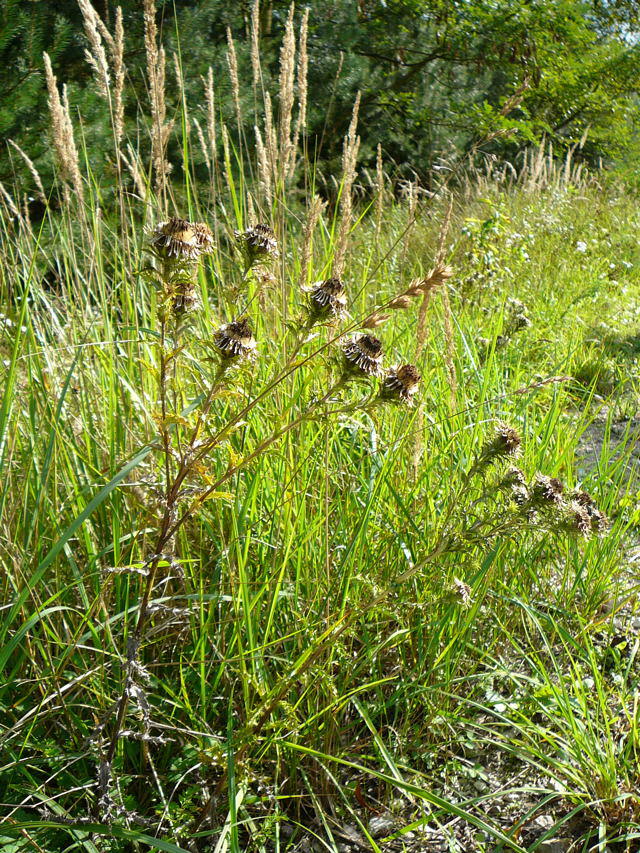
<point>351,611</point>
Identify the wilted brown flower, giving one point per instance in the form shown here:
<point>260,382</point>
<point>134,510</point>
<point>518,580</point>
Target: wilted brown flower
<point>235,339</point>
<point>258,241</point>
<point>363,355</point>
<point>327,300</point>
<point>400,384</point>
<point>179,239</point>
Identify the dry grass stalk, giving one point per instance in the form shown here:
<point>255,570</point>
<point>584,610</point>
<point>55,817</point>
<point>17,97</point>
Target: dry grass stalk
<point>96,56</point>
<point>256,68</point>
<point>227,155</point>
<point>156,76</point>
<point>315,210</point>
<point>287,77</point>
<point>34,172</point>
<point>436,277</point>
<point>264,170</point>
<point>349,161</point>
<point>232,62</point>
<point>303,68</point>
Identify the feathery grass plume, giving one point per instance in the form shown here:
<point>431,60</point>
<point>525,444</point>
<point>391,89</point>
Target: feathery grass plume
<point>210,100</point>
<point>264,170</point>
<point>235,340</point>
<point>156,76</point>
<point>258,242</point>
<point>315,210</point>
<point>327,301</point>
<point>203,144</point>
<point>379,202</point>
<point>400,384</point>
<point>270,134</point>
<point>70,144</point>
<point>349,160</point>
<point>302,86</point>
<point>254,31</point>
<point>362,356</point>
<point>117,58</point>
<point>286,93</point>
<point>58,124</point>
<point>177,70</point>
<point>40,193</point>
<point>232,62</point>
<point>97,56</point>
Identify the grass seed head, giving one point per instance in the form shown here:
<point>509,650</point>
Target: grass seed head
<point>363,355</point>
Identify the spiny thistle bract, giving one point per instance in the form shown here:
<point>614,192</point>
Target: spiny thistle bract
<point>235,340</point>
<point>363,356</point>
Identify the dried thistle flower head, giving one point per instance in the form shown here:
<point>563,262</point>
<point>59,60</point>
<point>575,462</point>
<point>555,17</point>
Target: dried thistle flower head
<point>363,355</point>
<point>258,241</point>
<point>463,592</point>
<point>506,442</point>
<point>235,340</point>
<point>327,300</point>
<point>598,520</point>
<point>400,384</point>
<point>546,490</point>
<point>178,239</point>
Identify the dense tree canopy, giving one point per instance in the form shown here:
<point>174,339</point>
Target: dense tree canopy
<point>435,75</point>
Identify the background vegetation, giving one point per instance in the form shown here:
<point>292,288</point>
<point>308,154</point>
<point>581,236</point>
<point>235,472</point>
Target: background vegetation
<point>367,632</point>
